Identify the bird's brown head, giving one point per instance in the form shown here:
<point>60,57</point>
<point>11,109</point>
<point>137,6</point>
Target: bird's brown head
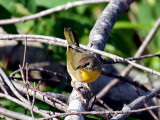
<point>89,62</point>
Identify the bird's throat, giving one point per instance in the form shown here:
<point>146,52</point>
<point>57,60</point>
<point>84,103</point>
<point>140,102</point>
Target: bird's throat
<point>89,75</point>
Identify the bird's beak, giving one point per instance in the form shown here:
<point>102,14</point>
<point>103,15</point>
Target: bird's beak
<point>79,67</point>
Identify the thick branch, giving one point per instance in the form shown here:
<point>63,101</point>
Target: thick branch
<point>76,104</point>
<point>101,30</point>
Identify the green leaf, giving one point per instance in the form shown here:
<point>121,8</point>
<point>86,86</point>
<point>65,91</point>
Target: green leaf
<point>129,25</point>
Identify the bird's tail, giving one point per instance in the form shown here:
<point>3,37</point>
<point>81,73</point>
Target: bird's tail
<point>71,37</point>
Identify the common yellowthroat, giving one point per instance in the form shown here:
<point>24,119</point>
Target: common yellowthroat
<point>81,65</point>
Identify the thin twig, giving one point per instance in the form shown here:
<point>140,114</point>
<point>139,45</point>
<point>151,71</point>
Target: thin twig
<point>24,55</point>
<point>21,71</point>
<point>104,104</point>
<point>42,71</point>
<point>132,58</point>
<point>27,83</point>
<point>11,86</point>
<point>33,101</point>
<point>100,112</point>
<point>50,11</point>
<point>24,80</point>
<point>144,57</point>
<point>13,114</point>
<point>40,79</point>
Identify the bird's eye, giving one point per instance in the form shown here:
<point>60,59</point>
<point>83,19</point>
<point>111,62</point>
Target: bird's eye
<point>87,64</point>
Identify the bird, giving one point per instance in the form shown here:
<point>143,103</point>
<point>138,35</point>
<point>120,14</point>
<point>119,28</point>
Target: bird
<point>82,66</point>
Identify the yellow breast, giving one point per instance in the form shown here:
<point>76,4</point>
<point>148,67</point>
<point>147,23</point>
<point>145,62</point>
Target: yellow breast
<point>89,75</point>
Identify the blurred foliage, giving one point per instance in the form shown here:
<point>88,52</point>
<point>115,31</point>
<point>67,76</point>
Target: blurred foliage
<point>123,40</point>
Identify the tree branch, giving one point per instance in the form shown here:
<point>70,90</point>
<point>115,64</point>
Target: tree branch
<point>101,30</point>
<point>50,11</point>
